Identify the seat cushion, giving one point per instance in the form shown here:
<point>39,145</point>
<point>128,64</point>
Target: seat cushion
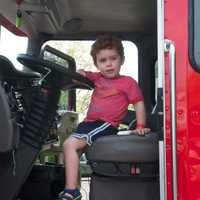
<point>125,148</point>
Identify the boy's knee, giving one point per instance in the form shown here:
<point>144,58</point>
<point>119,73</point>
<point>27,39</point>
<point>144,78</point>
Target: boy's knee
<point>73,143</point>
<point>68,143</point>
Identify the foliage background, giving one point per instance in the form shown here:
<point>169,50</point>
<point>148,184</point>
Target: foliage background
<point>80,51</point>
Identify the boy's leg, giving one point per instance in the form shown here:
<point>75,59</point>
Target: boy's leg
<point>85,134</point>
<point>71,147</point>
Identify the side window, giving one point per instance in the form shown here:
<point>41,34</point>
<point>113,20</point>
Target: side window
<point>11,45</point>
<point>194,34</point>
<point>80,51</point>
<point>130,66</point>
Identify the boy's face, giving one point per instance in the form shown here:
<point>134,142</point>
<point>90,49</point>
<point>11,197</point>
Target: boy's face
<point>109,62</point>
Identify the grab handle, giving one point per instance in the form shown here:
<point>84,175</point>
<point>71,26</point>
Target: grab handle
<point>170,48</point>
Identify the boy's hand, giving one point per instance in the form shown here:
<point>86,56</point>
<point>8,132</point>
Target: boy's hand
<point>81,72</point>
<point>141,130</point>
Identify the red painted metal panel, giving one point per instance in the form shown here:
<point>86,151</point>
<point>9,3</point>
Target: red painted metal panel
<point>11,27</point>
<point>187,107</point>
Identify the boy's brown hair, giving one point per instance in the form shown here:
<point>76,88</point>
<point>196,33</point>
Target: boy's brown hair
<point>107,42</point>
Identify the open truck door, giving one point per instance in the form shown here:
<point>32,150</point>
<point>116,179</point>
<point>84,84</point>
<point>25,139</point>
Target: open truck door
<point>178,44</point>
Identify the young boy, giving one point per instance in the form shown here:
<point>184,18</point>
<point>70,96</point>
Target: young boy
<point>110,99</point>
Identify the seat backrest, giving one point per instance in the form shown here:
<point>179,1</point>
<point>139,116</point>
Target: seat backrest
<point>6,127</point>
<point>8,70</point>
<point>130,119</point>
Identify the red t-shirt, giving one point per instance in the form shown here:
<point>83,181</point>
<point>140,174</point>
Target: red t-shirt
<point>111,97</point>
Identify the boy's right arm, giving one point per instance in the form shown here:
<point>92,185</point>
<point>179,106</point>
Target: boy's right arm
<point>90,75</point>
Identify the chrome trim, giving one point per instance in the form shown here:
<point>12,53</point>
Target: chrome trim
<point>162,170</point>
<point>160,40</point>
<point>161,84</point>
<point>170,48</point>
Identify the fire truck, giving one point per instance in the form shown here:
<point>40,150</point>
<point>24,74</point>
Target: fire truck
<point>162,165</point>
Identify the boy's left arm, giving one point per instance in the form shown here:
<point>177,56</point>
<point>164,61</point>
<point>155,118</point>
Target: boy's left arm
<point>141,119</point>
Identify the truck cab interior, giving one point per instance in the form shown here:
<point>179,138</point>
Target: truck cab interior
<point>123,165</point>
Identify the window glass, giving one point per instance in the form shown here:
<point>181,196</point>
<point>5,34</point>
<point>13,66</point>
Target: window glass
<point>194,36</point>
<point>11,45</point>
<point>80,51</point>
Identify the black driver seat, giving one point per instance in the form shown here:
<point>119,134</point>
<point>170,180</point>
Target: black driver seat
<point>125,148</point>
<point>8,71</point>
<point>8,130</point>
<point>124,166</point>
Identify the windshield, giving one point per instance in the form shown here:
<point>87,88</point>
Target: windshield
<point>11,45</point>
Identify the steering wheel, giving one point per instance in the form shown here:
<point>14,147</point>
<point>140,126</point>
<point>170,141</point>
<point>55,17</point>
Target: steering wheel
<point>66,77</point>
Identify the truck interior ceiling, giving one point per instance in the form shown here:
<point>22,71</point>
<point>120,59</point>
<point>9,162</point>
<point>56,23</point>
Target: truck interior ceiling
<point>42,21</point>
